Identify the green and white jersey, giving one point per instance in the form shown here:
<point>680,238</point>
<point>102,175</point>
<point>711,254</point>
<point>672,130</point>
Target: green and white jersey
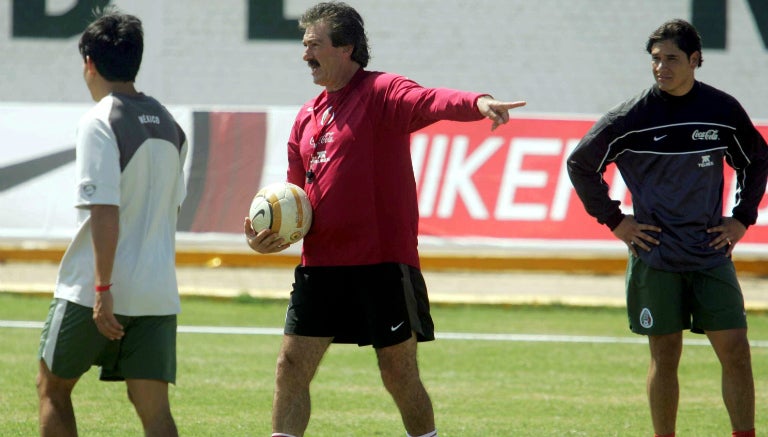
<point>130,153</point>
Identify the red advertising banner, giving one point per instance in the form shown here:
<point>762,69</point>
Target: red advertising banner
<point>513,184</point>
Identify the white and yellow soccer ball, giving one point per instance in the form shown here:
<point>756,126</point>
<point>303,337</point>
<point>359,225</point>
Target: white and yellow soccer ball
<point>284,208</point>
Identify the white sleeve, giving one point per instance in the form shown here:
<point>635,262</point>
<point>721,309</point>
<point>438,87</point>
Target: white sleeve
<point>97,163</point>
<point>181,193</point>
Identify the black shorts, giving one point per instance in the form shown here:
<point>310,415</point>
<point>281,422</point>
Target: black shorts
<point>379,305</point>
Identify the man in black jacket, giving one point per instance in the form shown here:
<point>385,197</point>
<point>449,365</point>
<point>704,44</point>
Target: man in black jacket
<point>670,143</point>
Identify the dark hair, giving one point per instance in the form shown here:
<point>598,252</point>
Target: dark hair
<point>682,33</point>
<point>115,44</point>
<point>345,26</point>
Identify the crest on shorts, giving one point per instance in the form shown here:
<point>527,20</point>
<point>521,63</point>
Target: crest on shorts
<point>646,319</point>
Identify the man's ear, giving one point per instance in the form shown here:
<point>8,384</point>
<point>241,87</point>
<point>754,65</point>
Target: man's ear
<point>89,65</point>
<point>695,59</point>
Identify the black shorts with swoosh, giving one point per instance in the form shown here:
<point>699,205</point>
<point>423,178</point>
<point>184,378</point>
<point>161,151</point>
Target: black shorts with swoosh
<point>379,305</point>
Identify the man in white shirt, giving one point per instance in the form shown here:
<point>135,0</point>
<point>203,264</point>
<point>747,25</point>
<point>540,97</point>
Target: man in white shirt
<point>116,295</point>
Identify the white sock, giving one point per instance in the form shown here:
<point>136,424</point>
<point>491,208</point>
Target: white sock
<point>429,434</point>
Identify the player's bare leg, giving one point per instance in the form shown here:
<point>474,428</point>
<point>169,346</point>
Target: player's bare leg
<point>296,366</point>
<point>57,416</point>
<point>732,349</point>
<point>150,398</point>
<point>400,374</point>
<point>662,385</point>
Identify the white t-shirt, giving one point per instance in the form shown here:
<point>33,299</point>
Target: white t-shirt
<point>130,153</point>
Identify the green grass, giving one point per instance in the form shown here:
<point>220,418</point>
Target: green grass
<point>488,388</point>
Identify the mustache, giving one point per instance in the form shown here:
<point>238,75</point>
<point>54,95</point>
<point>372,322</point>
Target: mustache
<point>313,63</point>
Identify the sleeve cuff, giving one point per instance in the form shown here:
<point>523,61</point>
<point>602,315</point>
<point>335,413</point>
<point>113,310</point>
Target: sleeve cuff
<point>743,220</point>
<point>613,221</point>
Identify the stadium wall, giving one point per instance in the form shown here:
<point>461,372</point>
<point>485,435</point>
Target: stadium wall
<point>231,72</point>
<point>562,56</point>
<point>505,192</point>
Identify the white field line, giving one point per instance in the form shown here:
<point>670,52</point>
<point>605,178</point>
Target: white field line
<point>530,338</point>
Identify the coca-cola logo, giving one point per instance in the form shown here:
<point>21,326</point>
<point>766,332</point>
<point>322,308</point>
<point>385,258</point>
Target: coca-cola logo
<point>709,135</point>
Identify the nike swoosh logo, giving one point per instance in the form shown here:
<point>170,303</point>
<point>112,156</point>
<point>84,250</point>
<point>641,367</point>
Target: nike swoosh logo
<point>14,175</point>
<point>260,212</point>
<point>396,327</point>
<point>659,138</point>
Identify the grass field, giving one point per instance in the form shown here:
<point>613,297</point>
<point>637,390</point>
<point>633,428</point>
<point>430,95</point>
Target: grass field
<point>496,387</point>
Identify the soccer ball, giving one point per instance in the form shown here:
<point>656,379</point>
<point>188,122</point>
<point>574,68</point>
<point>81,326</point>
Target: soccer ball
<point>284,208</point>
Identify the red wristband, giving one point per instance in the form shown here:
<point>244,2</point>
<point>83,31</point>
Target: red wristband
<point>103,288</point>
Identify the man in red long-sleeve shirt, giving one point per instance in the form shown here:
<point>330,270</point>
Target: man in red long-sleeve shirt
<point>359,279</point>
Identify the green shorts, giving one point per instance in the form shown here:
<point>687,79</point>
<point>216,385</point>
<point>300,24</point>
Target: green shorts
<point>70,344</point>
<point>379,305</point>
<point>661,302</point>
